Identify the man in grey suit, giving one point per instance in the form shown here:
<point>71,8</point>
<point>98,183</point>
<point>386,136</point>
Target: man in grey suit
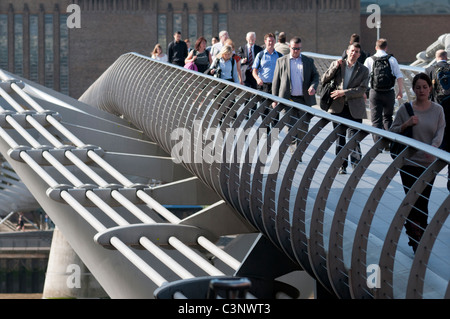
<point>296,78</point>
<point>352,79</point>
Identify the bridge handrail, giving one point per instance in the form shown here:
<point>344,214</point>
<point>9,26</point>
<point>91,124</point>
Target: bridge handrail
<point>445,156</point>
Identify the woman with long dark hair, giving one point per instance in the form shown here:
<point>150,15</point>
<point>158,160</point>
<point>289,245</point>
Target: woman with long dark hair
<point>428,124</point>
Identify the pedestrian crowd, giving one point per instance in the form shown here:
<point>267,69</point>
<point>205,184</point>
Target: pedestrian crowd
<point>279,68</point>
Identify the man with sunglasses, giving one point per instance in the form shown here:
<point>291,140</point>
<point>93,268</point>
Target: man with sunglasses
<point>296,79</point>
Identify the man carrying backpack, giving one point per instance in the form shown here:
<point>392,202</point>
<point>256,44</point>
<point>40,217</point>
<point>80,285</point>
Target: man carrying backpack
<point>439,74</point>
<point>384,71</point>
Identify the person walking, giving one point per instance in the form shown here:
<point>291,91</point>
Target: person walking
<point>296,78</point>
<point>247,53</point>
<point>281,45</point>
<point>384,72</point>
<point>237,59</point>
<point>216,48</point>
<point>199,55</point>
<point>158,54</point>
<point>352,79</point>
<point>363,56</point>
<point>428,125</point>
<point>224,66</point>
<point>264,65</point>
<point>177,50</point>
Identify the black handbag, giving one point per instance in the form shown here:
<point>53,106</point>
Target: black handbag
<point>325,93</point>
<point>396,147</point>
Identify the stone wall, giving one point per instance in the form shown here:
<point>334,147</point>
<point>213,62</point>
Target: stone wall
<point>110,28</point>
<point>102,38</point>
<point>406,35</point>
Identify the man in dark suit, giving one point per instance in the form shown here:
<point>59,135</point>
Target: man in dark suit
<point>352,80</point>
<point>248,53</point>
<point>296,78</point>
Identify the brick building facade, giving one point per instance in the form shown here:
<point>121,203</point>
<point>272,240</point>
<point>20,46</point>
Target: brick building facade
<point>36,42</point>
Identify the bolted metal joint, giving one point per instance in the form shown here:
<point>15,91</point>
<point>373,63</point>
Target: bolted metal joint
<point>14,152</point>
<point>21,118</point>
<point>6,85</point>
<point>55,192</point>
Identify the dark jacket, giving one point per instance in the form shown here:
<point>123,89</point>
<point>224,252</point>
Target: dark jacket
<point>177,52</point>
<point>243,53</point>
<point>354,94</point>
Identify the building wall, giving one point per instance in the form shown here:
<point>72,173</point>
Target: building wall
<point>105,34</point>
<point>32,42</point>
<point>310,20</point>
<point>406,35</point>
<point>110,28</point>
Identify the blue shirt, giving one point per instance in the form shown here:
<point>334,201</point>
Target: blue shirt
<point>227,71</point>
<point>296,76</point>
<point>265,64</point>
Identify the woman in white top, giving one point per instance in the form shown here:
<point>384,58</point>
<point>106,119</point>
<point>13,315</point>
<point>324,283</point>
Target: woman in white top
<point>158,54</point>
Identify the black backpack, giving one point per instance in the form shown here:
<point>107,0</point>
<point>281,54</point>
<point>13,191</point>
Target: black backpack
<point>441,82</point>
<point>381,77</point>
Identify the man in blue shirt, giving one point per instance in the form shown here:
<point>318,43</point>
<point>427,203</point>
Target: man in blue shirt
<point>264,65</point>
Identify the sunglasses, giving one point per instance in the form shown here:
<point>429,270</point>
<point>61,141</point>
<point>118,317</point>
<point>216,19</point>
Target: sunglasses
<point>296,49</point>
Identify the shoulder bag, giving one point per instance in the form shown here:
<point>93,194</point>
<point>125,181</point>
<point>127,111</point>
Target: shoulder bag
<point>396,147</point>
<point>325,92</point>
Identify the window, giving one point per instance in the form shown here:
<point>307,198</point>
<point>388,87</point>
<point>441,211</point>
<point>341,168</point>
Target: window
<point>3,41</point>
<point>162,30</point>
<point>49,58</point>
<point>64,55</point>
<point>223,22</point>
<point>408,7</point>
<point>34,48</point>
<point>177,22</point>
<point>193,29</point>
<point>18,44</point>
<point>207,27</point>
